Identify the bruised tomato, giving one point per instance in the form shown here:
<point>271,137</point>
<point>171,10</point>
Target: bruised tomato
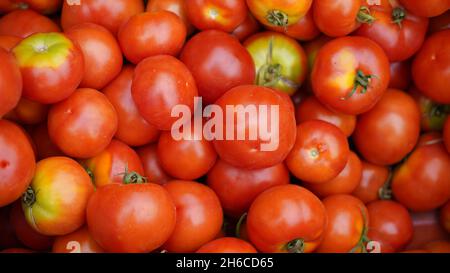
<point>227,245</point>
<point>23,23</point>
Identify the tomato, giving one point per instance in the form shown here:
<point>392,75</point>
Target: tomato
<point>131,218</point>
<point>237,187</point>
<point>152,166</point>
<point>350,75</point>
<point>431,67</point>
<point>218,63</point>
<point>264,149</point>
<point>433,115</point>
<point>438,247</point>
<point>10,82</point>
<point>428,8</point>
<point>227,245</point>
<point>17,162</point>
<point>446,133</point>
<point>25,233</point>
<point>28,112</point>
<point>176,6</point>
<point>44,145</point>
<point>426,229</point>
<point>291,209</point>
<point>110,14</point>
<point>312,49</point>
<point>311,109</point>
<point>344,183</point>
<point>23,23</point>
<point>247,28</point>
<point>42,6</point>
<point>320,152</point>
<point>152,33</point>
<point>279,12</point>
<point>372,185</point>
<point>439,23</point>
<point>400,75</point>
<point>84,124</point>
<point>390,225</point>
<point>422,182</point>
<point>79,241</point>
<point>216,14</point>
<point>445,216</point>
<point>304,29</point>
<point>55,203</point>
<point>347,225</point>
<point>8,42</point>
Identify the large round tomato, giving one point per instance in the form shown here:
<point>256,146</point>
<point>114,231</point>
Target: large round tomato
<point>295,211</point>
<point>79,241</point>
<point>431,67</point>
<point>263,139</point>
<point>84,124</point>
<point>279,12</point>
<point>237,187</point>
<point>320,152</point>
<point>55,203</point>
<point>23,23</point>
<point>227,245</point>
<point>131,218</point>
<point>246,29</point>
<point>400,75</point>
<point>44,145</point>
<point>152,166</point>
<point>433,115</point>
<point>218,63</point>
<point>429,8</point>
<point>176,6</point>
<point>304,29</point>
<point>10,82</point>
<point>371,187</point>
<point>8,42</point>
<point>446,134</point>
<point>17,162</point>
<point>445,216</point>
<point>350,74</point>
<point>28,112</point>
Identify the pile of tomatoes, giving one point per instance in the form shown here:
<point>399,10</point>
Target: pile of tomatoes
<point>88,161</point>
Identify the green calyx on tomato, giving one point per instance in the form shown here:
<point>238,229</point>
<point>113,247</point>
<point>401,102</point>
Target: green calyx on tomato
<point>364,16</point>
<point>29,197</point>
<point>239,224</point>
<point>385,192</point>
<point>277,18</point>
<point>361,245</point>
<point>133,177</point>
<point>398,15</point>
<point>361,80</point>
<point>296,246</point>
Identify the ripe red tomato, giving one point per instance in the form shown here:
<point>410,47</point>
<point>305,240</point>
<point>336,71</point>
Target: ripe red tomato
<point>79,241</point>
<point>152,167</point>
<point>110,14</point>
<point>160,83</point>
<point>23,23</point>
<point>445,216</point>
<point>446,133</point>
<point>17,162</point>
<point>428,8</point>
<point>433,115</point>
<point>372,184</point>
<point>265,149</point>
<point>84,124</point>
<point>55,203</point>
<point>10,82</point>
<point>218,63</point>
<point>347,226</point>
<point>279,12</point>
<point>304,29</point>
<point>431,67</point>
<point>320,152</point>
<point>42,6</point>
<point>438,247</point>
<point>150,34</point>
<point>131,218</point>
<point>295,211</point>
<point>237,187</point>
<point>227,245</point>
<point>390,225</point>
<point>400,75</point>
<point>176,6</point>
<point>8,42</point>
<point>28,112</point>
<point>247,28</point>
<point>44,145</point>
<point>216,14</point>
<point>312,48</point>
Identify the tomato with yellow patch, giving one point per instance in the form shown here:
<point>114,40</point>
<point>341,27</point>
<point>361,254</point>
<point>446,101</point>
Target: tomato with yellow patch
<point>279,12</point>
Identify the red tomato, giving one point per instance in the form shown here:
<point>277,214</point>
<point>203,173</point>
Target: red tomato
<point>390,225</point>
<point>438,247</point>
<point>350,74</point>
<point>176,6</point>
<point>433,115</point>
<point>279,12</point>
<point>44,145</point>
<point>216,14</point>
<point>431,67</point>
<point>264,149</point>
<point>160,83</point>
<point>55,203</point>
<point>426,229</point>
<point>446,134</point>
<point>372,185</point>
<point>28,112</point>
<point>84,124</point>
<point>152,33</point>
<point>131,218</point>
<point>247,28</point>
<point>218,63</point>
<point>439,23</point>
<point>17,162</point>
<point>320,152</point>
<point>313,47</point>
<point>304,29</point>
<point>237,187</point>
<point>110,14</point>
<point>400,75</point>
<point>152,166</point>
<point>445,216</point>
<point>79,241</point>
<point>10,82</point>
<point>295,211</point>
<point>347,225</point>
<point>8,42</point>
<point>227,245</point>
<point>428,8</point>
<point>23,23</point>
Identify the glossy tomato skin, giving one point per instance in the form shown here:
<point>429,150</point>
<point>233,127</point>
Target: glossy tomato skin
<point>426,8</point>
<point>55,203</point>
<point>10,82</point>
<point>23,23</point>
<point>373,178</point>
<point>433,115</point>
<point>28,112</point>
<point>8,42</point>
<point>102,56</point>
<point>237,187</point>
<point>218,63</point>
<point>388,132</point>
<point>430,68</point>
<point>79,241</point>
<point>304,29</point>
<point>320,152</point>
<point>400,75</point>
<point>446,134</point>
<point>160,83</point>
<point>116,227</point>
<point>176,6</point>
<point>260,152</point>
<point>445,216</point>
<point>17,162</point>
<point>338,66</point>
<point>293,209</point>
<point>73,129</point>
<point>390,225</point>
<point>348,222</point>
<point>110,14</point>
<point>150,34</point>
<point>227,245</point>
<point>152,165</point>
<point>247,28</point>
<point>279,12</point>
<point>216,14</point>
<point>44,145</point>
